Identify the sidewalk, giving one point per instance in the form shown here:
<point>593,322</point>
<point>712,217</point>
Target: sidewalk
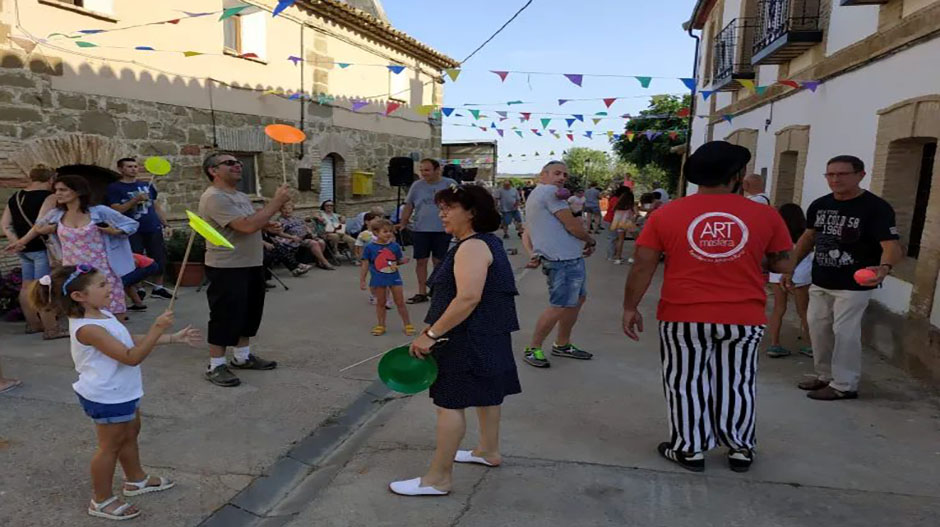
<point>579,447</point>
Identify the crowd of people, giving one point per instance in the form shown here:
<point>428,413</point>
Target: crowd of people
<point>717,244</point>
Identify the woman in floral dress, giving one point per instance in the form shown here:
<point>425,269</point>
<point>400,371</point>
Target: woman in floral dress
<point>95,235</point>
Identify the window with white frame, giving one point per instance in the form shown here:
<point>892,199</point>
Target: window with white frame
<point>246,32</point>
<point>399,87</point>
<point>105,7</point>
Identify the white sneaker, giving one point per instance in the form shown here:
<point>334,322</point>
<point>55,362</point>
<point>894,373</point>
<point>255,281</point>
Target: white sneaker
<point>371,300</point>
<point>412,487</point>
<point>630,261</point>
<point>618,261</point>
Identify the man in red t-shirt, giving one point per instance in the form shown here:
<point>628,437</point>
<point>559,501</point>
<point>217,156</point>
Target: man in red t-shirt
<point>711,308</point>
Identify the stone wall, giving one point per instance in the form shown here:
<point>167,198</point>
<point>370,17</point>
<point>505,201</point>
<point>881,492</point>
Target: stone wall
<point>39,124</point>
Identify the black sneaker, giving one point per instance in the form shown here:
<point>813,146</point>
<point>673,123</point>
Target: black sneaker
<point>141,307</point>
<point>536,357</point>
<point>694,462</point>
<point>740,460</point>
<point>142,293</point>
<point>161,292</point>
<point>269,285</point>
<point>222,376</point>
<point>254,363</point>
<point>571,351</point>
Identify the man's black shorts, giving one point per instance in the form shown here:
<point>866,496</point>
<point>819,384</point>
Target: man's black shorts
<point>151,244</point>
<point>236,303</point>
<point>431,244</point>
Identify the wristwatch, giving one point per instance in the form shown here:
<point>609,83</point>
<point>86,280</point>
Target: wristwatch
<point>431,335</point>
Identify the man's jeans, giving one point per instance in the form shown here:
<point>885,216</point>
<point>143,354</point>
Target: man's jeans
<point>835,325</point>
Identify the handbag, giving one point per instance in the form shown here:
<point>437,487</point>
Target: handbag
<point>52,248</point>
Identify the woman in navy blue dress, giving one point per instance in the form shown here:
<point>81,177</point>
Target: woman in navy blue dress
<point>471,319</point>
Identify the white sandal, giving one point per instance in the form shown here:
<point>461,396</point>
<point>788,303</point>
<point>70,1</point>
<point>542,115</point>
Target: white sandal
<point>143,488</point>
<point>97,510</point>
<point>466,456</point>
<point>412,487</point>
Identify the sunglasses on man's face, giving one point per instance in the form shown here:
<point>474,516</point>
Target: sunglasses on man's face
<point>230,163</point>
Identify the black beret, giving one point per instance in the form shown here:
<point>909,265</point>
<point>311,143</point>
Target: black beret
<point>715,163</point>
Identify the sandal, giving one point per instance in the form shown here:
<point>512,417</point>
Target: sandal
<point>301,270</point>
<point>378,331</point>
<point>14,384</point>
<point>144,487</point>
<point>417,299</point>
<point>98,510</point>
<point>409,330</point>
<point>55,335</point>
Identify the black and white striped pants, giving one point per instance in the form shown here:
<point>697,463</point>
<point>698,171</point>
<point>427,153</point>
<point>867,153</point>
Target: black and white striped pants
<point>709,376</point>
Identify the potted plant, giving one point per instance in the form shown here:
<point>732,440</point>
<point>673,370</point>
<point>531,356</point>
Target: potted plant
<point>195,270</point>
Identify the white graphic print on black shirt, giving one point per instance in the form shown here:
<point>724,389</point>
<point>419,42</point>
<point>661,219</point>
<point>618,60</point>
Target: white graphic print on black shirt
<point>848,237</point>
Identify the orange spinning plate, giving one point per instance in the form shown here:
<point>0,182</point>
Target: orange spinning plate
<point>284,133</point>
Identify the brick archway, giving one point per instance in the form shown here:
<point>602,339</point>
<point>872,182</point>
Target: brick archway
<point>790,150</point>
<point>344,157</point>
<point>903,129</point>
<point>68,149</point>
<point>746,137</point>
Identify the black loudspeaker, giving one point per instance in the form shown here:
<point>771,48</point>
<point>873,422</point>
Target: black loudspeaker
<point>452,172</point>
<point>468,174</point>
<point>401,171</point>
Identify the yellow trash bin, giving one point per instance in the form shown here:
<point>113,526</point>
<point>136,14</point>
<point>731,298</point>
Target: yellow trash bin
<point>362,183</point>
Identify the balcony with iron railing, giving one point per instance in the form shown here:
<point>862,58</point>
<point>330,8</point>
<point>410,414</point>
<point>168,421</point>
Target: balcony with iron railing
<point>786,29</point>
<point>732,54</point>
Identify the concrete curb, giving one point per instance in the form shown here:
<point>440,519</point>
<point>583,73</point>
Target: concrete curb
<point>253,506</point>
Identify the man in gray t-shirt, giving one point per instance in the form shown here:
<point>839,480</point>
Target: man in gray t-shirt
<point>508,199</point>
<point>592,208</point>
<point>559,242</point>
<point>236,276</point>
<point>428,234</point>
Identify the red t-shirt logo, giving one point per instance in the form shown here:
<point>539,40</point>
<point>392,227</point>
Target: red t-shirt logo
<point>717,237</point>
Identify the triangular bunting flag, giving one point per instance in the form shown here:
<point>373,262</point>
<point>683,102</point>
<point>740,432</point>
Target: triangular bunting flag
<point>596,120</point>
<point>673,135</point>
<point>197,15</point>
<point>27,45</point>
<point>510,103</point>
<point>551,153</point>
<point>296,60</point>
<point>644,81</point>
<point>493,125</point>
<point>502,115</point>
<point>248,56</point>
<point>649,135</point>
<point>174,21</point>
<point>562,101</point>
<point>357,105</point>
<point>601,113</point>
<point>657,134</point>
<point>281,6</point>
<point>588,134</point>
<point>727,117</point>
<point>570,137</point>
<point>475,114</point>
<point>232,11</point>
<point>395,68</point>
<point>545,122</point>
<point>536,131</point>
<point>747,84</point>
<point>811,85</point>
<point>575,78</point>
<point>759,90</point>
<point>609,101</point>
<point>425,109</point>
<point>482,128</point>
<point>793,84</point>
<point>706,94</point>
<point>293,97</point>
<point>83,44</point>
<point>519,132</point>
<point>537,154</point>
<point>447,111</point>
<point>630,136</point>
<point>500,132</point>
<point>502,75</point>
<point>343,65</point>
<point>508,155</point>
<point>552,131</point>
<point>616,137</point>
<point>525,116</point>
<point>609,134</point>
<point>689,83</point>
<point>578,117</point>
<point>391,107</point>
<point>570,122</point>
<point>557,136</point>
<point>453,73</point>
<point>91,31</point>
<point>683,113</point>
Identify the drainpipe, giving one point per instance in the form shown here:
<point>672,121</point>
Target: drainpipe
<point>303,143</point>
<point>688,135</point>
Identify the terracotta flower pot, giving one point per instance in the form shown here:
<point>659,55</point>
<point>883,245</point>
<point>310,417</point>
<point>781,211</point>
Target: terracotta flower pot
<point>193,275</point>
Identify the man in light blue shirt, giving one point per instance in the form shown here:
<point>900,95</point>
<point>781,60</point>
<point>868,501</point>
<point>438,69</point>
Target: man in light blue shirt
<point>559,242</point>
<point>428,234</point>
<point>592,208</point>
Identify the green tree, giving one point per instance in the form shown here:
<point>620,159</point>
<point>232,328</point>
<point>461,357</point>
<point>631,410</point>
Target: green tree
<point>586,166</point>
<point>660,116</point>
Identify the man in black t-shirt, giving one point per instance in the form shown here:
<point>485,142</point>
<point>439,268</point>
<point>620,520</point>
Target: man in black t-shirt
<point>847,230</point>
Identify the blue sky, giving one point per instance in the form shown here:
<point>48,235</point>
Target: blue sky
<point>623,37</point>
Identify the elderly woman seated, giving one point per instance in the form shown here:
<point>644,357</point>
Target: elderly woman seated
<point>297,235</point>
<point>334,228</point>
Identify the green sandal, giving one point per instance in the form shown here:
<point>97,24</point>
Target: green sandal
<point>777,351</point>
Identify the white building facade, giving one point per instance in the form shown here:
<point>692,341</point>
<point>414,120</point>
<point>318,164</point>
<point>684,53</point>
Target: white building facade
<point>877,63</point>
